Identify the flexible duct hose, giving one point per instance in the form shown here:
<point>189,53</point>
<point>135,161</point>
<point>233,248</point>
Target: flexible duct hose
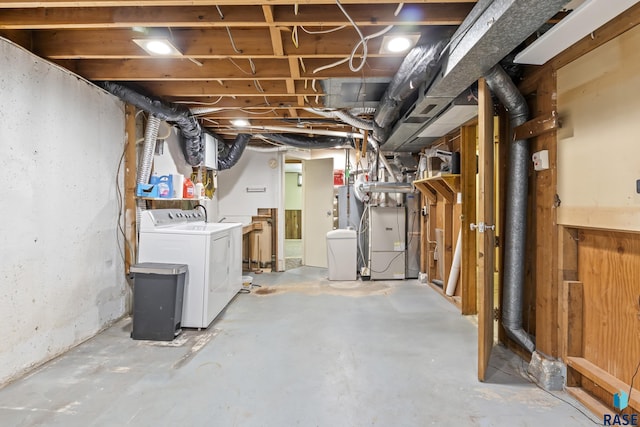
<point>146,162</point>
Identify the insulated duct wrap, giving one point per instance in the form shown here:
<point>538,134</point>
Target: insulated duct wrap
<point>386,187</point>
<point>516,209</point>
<point>419,67</point>
<point>229,155</point>
<point>192,141</point>
<point>308,142</point>
<point>354,121</point>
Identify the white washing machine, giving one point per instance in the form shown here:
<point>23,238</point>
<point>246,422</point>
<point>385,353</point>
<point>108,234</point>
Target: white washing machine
<point>212,251</point>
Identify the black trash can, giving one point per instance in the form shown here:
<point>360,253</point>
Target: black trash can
<point>158,292</point>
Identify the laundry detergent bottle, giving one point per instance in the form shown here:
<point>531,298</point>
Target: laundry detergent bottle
<point>188,191</point>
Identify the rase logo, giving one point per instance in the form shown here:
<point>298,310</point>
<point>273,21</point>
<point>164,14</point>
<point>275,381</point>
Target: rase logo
<point>620,420</point>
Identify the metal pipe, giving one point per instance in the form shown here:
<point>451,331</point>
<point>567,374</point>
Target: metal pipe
<point>383,159</point>
<point>386,187</point>
<point>516,209</point>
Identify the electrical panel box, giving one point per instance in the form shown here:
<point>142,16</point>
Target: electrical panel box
<point>210,152</point>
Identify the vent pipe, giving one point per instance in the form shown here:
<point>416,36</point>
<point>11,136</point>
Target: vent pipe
<point>516,209</point>
<point>192,141</point>
<point>229,155</point>
<point>419,67</point>
<point>299,141</point>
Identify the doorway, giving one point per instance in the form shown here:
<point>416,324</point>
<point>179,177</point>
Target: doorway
<point>293,214</point>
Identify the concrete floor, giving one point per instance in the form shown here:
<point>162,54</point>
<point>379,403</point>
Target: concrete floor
<point>297,351</point>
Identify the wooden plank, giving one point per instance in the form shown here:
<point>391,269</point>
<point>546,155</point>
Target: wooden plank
<point>609,267</point>
<point>485,241</point>
<point>147,3</point>
<point>621,218</point>
<point>591,403</point>
<point>572,308</point>
<point>543,200</point>
<point>130,172</point>
<point>215,89</point>
<point>502,177</point>
<point>604,379</point>
<point>468,166</point>
<point>448,240</point>
<point>538,126</point>
<point>276,35</point>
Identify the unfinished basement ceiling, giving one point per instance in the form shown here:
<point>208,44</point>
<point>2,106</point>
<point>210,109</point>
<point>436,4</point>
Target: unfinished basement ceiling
<point>264,61</point>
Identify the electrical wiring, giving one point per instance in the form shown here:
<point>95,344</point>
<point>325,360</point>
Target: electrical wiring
<point>258,86</point>
<point>240,68</point>
<point>363,227</point>
<point>313,85</point>
<point>304,69</point>
<point>524,374</point>
<point>333,64</point>
<point>330,30</point>
<point>201,102</point>
<point>632,379</point>
<point>120,197</point>
<point>294,36</point>
<point>233,43</point>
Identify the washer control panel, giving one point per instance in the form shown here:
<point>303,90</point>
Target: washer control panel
<point>168,217</point>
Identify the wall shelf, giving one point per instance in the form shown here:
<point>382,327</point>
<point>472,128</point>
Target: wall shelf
<point>446,185</point>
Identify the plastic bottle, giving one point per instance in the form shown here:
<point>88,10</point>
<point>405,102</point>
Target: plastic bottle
<point>199,190</point>
<point>189,190</point>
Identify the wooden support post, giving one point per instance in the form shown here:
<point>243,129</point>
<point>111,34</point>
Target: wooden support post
<point>468,165</point>
<point>130,170</point>
<point>572,306</point>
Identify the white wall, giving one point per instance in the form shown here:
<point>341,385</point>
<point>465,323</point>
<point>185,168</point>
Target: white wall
<point>598,151</point>
<point>293,192</point>
<point>61,271</point>
<point>254,170</point>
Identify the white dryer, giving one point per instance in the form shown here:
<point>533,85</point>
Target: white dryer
<point>212,252</point>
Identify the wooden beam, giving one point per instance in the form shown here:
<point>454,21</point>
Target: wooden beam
<point>572,308</point>
<point>468,165</point>
<point>604,379</point>
<point>544,229</point>
<point>538,126</point>
<point>147,3</point>
<point>215,89</point>
<point>165,69</point>
<point>591,403</point>
<point>276,36</point>
<point>130,171</point>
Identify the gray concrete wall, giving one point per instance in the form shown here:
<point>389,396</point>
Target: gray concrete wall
<point>61,268</point>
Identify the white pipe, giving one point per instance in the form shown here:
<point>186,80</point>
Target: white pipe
<point>455,267</point>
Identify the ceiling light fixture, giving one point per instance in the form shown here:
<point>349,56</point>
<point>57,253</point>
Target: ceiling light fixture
<point>240,123</point>
<point>158,47</point>
<point>395,44</point>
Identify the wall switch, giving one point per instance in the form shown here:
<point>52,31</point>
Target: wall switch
<point>540,160</point>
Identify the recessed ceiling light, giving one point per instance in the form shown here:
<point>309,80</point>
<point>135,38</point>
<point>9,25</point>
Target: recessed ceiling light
<point>240,123</point>
<point>398,43</point>
<point>158,47</point>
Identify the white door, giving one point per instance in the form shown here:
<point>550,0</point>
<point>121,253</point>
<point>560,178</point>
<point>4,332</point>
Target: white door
<point>317,210</point>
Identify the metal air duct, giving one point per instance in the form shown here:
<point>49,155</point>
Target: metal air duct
<point>516,209</point>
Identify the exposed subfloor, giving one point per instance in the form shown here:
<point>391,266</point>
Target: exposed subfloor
<point>297,351</point>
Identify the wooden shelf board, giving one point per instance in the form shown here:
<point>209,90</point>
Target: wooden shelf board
<point>603,379</point>
<point>446,185</point>
<point>590,402</point>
